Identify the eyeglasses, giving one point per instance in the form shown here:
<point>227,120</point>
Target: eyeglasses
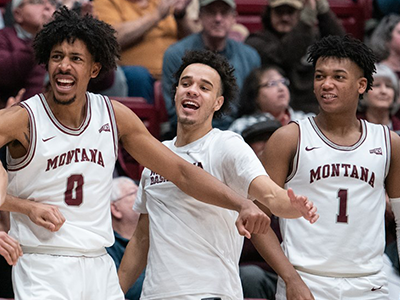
<point>127,195</point>
<point>273,83</point>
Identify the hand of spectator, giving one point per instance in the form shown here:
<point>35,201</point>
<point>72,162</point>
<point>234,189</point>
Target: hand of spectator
<point>164,7</point>
<point>180,6</point>
<point>9,248</point>
<point>17,99</point>
<point>304,206</point>
<point>47,216</point>
<point>296,289</point>
<point>252,220</point>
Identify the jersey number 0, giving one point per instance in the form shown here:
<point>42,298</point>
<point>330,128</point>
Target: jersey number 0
<point>74,193</point>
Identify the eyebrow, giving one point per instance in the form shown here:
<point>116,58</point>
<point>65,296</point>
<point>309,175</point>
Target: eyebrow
<point>203,80</point>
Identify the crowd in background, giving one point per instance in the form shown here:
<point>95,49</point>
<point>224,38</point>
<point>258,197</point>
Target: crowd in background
<point>275,80</point>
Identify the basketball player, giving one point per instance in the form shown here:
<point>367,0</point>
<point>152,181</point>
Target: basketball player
<point>191,248</point>
<point>62,147</point>
<point>346,165</point>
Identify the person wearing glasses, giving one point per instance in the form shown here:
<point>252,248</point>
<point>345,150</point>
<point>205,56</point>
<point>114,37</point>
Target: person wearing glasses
<point>265,96</point>
<point>124,222</point>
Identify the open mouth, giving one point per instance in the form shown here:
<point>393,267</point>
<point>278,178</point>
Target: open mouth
<point>64,84</point>
<point>190,105</point>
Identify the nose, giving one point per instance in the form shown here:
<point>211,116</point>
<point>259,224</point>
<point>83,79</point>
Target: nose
<point>327,83</point>
<point>65,64</point>
<point>193,90</point>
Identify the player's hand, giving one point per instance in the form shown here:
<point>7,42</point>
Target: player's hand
<point>9,248</point>
<point>251,219</point>
<point>304,206</point>
<point>47,216</point>
<point>298,290</point>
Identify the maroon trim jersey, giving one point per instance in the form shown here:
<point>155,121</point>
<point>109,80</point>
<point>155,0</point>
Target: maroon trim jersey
<point>346,183</point>
<point>71,168</point>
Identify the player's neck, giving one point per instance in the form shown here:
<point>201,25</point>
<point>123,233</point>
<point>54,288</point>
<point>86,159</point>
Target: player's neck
<point>187,134</point>
<point>342,129</point>
<point>70,115</point>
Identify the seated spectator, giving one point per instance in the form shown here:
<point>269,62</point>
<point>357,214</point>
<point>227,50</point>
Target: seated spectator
<point>146,28</point>
<point>265,96</point>
<point>380,104</point>
<point>289,28</point>
<point>124,221</point>
<point>217,18</point>
<point>18,66</point>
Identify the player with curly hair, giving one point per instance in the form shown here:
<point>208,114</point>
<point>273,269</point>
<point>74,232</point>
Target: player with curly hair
<point>347,165</point>
<point>192,249</point>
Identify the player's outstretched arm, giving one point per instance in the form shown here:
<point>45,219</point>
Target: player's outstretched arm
<point>280,202</point>
<point>135,257</point>
<point>276,158</point>
<point>192,180</point>
<point>9,248</point>
<point>392,183</point>
<point>45,215</point>
<point>3,184</point>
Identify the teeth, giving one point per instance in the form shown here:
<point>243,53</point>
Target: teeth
<point>328,96</point>
<point>65,81</point>
<point>190,103</point>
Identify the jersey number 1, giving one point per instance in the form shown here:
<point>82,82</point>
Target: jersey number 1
<point>74,193</point>
<point>342,216</point>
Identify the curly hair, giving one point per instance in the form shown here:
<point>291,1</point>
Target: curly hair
<point>67,25</point>
<point>251,86</point>
<point>229,87</point>
<point>382,35</point>
<point>345,47</point>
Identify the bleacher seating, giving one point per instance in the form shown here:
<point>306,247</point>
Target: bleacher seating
<point>352,13</point>
<point>152,115</point>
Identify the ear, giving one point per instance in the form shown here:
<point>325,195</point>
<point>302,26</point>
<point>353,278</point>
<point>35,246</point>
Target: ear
<point>218,103</point>
<point>18,16</point>
<point>115,212</point>
<point>95,70</point>
<point>362,85</point>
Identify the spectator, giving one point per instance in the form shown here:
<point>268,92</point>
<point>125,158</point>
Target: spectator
<point>18,66</point>
<point>146,28</point>
<point>385,42</point>
<point>289,28</point>
<point>124,221</point>
<point>217,18</point>
<point>265,95</point>
<point>380,104</point>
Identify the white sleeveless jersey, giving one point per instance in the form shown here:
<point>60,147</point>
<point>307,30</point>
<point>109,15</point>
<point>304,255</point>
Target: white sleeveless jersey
<point>69,168</point>
<point>194,246</point>
<point>346,183</point>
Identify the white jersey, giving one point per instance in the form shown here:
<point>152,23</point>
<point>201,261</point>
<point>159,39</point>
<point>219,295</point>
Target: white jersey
<point>71,169</point>
<point>346,183</point>
<point>195,247</point>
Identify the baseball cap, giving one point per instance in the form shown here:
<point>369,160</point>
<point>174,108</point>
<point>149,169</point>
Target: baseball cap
<point>297,4</point>
<point>260,131</point>
<point>231,3</point>
<point>15,4</point>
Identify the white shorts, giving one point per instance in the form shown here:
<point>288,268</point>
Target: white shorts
<point>372,287</point>
<point>53,277</point>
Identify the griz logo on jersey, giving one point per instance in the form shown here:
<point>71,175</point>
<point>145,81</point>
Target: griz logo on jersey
<point>157,178</point>
<point>75,156</point>
<point>344,170</point>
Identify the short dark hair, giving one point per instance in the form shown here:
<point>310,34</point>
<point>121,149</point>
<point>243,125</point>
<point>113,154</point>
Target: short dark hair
<point>67,25</point>
<point>345,47</point>
<point>219,63</point>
